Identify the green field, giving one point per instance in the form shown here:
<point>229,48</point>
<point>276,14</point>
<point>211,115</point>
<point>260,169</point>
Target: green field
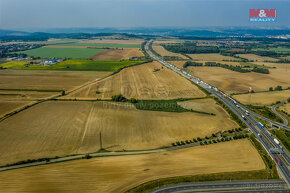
<point>74,53</point>
<point>101,45</point>
<point>80,65</point>
<point>279,50</point>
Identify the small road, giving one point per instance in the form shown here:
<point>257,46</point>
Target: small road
<point>269,120</point>
<point>273,108</point>
<point>235,186</point>
<point>81,156</point>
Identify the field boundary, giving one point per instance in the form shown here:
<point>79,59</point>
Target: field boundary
<point>100,153</point>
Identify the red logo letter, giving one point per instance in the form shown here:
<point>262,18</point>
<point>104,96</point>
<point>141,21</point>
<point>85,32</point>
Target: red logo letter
<point>271,13</point>
<point>254,13</point>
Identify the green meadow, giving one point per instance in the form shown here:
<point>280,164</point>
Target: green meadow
<point>78,65</point>
<point>74,53</point>
<point>100,45</point>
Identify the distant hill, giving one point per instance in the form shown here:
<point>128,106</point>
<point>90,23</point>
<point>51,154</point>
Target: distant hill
<point>186,33</point>
<point>12,33</point>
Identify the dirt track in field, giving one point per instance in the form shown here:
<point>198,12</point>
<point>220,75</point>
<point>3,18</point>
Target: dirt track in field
<point>141,82</point>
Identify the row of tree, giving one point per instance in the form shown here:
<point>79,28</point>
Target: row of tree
<point>191,63</point>
<point>207,140</point>
<point>188,48</point>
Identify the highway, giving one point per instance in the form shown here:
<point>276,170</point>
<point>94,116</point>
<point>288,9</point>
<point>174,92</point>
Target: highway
<point>269,120</point>
<point>265,138</point>
<point>236,186</point>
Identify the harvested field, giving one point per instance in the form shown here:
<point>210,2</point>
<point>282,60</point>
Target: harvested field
<point>118,54</point>
<point>283,66</point>
<point>256,58</point>
<point>9,106</point>
<point>204,105</point>
<point>285,107</point>
<point>264,98</point>
<point>177,63</point>
<point>163,52</point>
<point>210,57</point>
<point>6,95</point>
<point>236,82</point>
<point>46,79</point>
<point>118,174</point>
<point>141,82</point>
<point>60,128</point>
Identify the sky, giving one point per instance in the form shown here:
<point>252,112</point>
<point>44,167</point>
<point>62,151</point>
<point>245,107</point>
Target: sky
<point>44,14</point>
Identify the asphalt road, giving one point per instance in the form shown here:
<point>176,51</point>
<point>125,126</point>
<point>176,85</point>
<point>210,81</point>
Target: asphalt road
<point>285,121</point>
<point>261,133</point>
<point>235,186</point>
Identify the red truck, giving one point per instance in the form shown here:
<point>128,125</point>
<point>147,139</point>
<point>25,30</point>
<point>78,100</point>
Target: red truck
<point>277,160</point>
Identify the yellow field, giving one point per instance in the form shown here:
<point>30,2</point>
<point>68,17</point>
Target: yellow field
<point>284,66</point>
<point>141,82</point>
<point>256,58</point>
<point>60,128</point>
<point>118,174</point>
<point>264,98</point>
<point>179,64</point>
<point>163,52</point>
<point>46,79</point>
<point>9,106</point>
<point>205,105</point>
<point>210,57</point>
<point>235,82</point>
<point>118,54</point>
<point>286,57</point>
<point>285,107</point>
<point>6,95</point>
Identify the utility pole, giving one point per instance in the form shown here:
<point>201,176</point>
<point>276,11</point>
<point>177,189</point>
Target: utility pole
<point>101,145</point>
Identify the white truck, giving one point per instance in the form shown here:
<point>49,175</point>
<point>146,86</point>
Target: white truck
<point>276,141</point>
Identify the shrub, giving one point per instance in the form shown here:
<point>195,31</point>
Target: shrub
<point>119,98</point>
<point>87,156</point>
<point>133,100</point>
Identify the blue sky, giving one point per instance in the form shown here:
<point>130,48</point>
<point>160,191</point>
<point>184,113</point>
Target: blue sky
<point>25,14</point>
